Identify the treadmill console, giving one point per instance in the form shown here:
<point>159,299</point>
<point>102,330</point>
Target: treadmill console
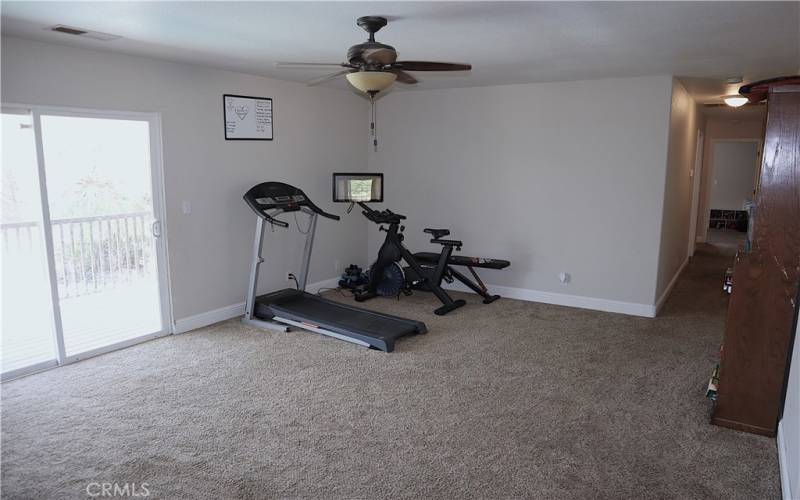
<point>280,197</point>
<point>285,203</point>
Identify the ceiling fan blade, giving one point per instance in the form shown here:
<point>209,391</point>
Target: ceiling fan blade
<point>329,77</point>
<point>403,77</point>
<point>430,66</point>
<point>305,65</point>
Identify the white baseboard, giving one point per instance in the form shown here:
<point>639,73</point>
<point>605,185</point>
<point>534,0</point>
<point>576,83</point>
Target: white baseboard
<point>665,295</point>
<point>329,283</point>
<point>184,325</point>
<point>190,323</point>
<point>563,299</point>
<point>632,308</point>
<point>783,461</point>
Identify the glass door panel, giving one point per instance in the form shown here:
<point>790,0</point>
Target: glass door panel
<point>27,323</point>
<point>99,185</point>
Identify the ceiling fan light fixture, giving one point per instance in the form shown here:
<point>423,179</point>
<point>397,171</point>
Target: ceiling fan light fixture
<point>371,81</point>
<point>735,100</point>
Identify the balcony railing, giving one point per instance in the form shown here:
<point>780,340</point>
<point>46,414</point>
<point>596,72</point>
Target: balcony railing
<point>92,254</point>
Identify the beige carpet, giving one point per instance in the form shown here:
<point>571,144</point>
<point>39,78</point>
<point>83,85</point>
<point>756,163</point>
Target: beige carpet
<point>510,400</point>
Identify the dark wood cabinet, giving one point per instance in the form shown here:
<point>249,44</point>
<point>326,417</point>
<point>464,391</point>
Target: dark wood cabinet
<point>758,332</point>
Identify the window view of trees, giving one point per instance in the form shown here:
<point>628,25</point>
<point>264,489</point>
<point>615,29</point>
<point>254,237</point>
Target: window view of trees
<point>99,195</point>
<point>84,181</point>
<point>18,185</point>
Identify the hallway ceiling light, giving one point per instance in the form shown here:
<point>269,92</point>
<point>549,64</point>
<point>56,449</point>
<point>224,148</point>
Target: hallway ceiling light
<point>735,100</point>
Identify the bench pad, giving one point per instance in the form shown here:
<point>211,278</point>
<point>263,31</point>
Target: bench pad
<point>462,260</point>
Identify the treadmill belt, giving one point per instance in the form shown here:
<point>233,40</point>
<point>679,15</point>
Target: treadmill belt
<point>321,313</point>
<point>377,329</point>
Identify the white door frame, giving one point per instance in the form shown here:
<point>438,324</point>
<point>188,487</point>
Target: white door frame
<point>160,225</point>
<point>710,168</point>
<point>697,173</point>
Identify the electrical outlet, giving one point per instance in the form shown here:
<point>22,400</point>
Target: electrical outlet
<point>290,276</point>
<point>564,278</point>
<point>337,266</point>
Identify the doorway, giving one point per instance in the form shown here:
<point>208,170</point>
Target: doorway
<point>83,252</point>
<point>734,174</point>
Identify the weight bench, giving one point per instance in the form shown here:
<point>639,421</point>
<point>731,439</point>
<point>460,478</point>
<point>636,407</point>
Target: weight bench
<point>430,259</point>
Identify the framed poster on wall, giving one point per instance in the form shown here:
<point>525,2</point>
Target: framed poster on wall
<point>247,118</point>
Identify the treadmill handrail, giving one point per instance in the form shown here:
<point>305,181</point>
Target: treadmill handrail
<point>321,212</point>
<point>274,221</point>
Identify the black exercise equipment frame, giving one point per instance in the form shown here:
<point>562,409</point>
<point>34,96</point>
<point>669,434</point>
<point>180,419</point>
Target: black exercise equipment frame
<point>431,259</point>
<point>392,250</point>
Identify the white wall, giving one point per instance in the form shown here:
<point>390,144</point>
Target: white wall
<point>683,127</point>
<point>789,428</point>
<point>317,131</point>
<point>554,177</point>
<point>733,174</point>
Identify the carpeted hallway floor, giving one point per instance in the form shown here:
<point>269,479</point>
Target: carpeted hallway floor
<point>511,400</point>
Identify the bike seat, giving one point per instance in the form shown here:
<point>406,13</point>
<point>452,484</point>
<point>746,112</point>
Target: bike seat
<point>437,233</point>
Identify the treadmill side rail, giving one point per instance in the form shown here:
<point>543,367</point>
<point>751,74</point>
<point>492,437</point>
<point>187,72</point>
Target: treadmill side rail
<point>307,326</point>
<point>265,325</point>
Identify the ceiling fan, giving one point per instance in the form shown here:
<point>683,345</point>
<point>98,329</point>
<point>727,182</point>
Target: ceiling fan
<point>373,66</point>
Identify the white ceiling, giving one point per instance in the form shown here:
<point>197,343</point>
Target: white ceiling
<point>506,42</point>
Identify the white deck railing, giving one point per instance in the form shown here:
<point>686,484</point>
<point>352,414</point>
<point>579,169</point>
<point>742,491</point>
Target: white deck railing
<point>91,253</point>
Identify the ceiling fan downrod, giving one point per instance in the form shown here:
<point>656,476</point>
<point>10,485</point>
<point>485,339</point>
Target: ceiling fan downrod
<point>371,24</point>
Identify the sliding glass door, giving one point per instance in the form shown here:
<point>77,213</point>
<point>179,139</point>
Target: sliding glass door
<point>102,280</point>
<point>27,323</point>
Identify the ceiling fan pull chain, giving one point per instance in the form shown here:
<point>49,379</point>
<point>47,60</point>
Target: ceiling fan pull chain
<point>373,118</point>
<point>375,125</point>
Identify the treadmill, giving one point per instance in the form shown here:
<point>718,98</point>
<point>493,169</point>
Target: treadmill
<point>287,308</point>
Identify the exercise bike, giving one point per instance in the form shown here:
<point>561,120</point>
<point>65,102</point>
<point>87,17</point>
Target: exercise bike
<point>386,268</point>
<point>424,270</point>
